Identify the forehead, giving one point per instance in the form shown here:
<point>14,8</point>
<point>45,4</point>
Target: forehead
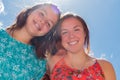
<point>50,12</point>
<point>71,22</point>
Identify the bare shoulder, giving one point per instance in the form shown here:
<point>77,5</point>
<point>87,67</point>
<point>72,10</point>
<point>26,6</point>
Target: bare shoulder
<point>56,57</point>
<point>104,63</point>
<point>53,59</point>
<point>108,69</point>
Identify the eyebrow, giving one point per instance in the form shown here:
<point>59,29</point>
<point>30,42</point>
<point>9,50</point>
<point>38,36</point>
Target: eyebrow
<point>76,26</point>
<point>73,27</point>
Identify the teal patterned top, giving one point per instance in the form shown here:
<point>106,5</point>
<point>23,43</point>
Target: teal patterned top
<point>18,60</point>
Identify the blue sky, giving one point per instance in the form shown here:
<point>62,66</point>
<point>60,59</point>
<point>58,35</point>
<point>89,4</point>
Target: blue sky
<point>102,17</point>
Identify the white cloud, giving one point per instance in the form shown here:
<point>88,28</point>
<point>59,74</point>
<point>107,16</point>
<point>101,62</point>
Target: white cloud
<point>1,24</point>
<point>1,6</point>
<point>91,53</point>
<point>103,56</point>
<point>111,56</point>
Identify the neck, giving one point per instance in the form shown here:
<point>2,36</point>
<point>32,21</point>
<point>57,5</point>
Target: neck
<point>77,60</point>
<point>21,35</point>
<point>79,55</point>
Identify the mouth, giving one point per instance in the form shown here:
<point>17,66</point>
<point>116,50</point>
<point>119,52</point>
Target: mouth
<point>37,26</point>
<point>72,42</point>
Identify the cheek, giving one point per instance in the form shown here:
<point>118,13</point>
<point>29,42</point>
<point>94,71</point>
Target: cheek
<point>64,41</point>
<point>45,30</point>
<point>63,38</point>
<point>42,33</point>
<point>63,44</point>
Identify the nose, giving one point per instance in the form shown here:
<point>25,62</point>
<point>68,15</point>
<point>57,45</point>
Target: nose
<point>71,35</point>
<point>42,21</point>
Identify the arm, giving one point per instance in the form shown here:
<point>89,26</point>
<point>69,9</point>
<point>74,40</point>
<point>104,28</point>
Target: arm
<point>108,70</point>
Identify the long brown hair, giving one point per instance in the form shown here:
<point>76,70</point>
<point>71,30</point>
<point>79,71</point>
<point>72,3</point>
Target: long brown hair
<point>41,43</point>
<point>58,29</point>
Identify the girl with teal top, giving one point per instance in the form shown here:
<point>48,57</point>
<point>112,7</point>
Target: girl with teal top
<point>23,45</point>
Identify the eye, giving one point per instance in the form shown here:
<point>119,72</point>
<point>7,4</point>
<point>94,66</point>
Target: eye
<point>41,14</point>
<point>63,32</point>
<point>77,29</point>
<point>49,24</point>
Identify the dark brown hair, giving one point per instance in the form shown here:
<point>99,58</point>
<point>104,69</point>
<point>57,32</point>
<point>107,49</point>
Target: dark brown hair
<point>42,43</point>
<point>71,15</point>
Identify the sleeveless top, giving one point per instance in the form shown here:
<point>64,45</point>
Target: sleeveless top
<point>18,60</point>
<point>62,71</point>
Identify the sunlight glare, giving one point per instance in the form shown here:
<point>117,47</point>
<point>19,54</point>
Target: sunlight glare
<point>1,7</point>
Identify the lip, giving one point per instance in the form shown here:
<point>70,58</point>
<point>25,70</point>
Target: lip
<point>37,26</point>
<point>73,42</point>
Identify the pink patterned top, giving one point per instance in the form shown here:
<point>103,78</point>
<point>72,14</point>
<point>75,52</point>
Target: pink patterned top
<point>61,71</point>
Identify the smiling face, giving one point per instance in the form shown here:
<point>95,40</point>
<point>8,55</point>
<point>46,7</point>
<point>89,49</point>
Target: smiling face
<point>72,35</point>
<point>41,20</point>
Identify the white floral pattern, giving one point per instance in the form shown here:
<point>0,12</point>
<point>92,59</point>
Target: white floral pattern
<point>18,60</point>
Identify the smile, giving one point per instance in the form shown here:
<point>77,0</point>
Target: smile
<point>37,25</point>
<point>73,42</point>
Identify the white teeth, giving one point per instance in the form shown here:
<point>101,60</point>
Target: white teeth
<point>72,43</point>
<point>37,26</point>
